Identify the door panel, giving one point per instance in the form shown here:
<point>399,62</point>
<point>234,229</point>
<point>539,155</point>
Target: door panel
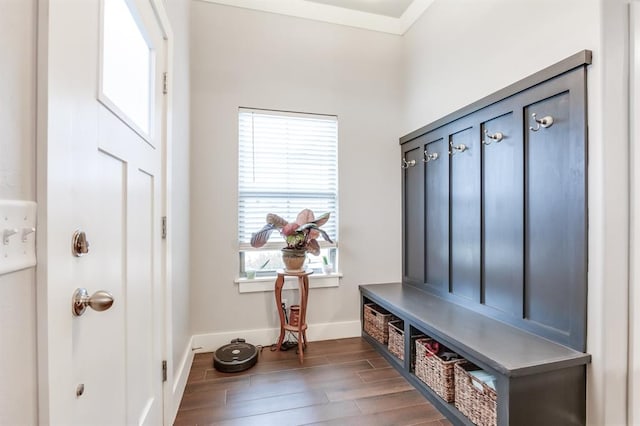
<point>502,218</point>
<point>102,268</point>
<point>465,214</point>
<point>414,217</point>
<point>555,211</point>
<point>437,215</point>
<point>142,341</point>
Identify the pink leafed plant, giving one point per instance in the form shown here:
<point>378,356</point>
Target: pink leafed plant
<point>301,234</point>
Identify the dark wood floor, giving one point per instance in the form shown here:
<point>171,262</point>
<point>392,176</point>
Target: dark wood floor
<point>342,382</point>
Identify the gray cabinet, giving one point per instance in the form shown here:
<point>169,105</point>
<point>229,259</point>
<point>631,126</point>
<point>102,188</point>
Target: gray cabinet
<point>497,222</point>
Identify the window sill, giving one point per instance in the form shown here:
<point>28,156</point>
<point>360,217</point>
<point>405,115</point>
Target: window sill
<point>263,284</point>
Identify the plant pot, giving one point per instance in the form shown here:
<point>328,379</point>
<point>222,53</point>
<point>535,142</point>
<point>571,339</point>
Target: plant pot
<point>293,259</point>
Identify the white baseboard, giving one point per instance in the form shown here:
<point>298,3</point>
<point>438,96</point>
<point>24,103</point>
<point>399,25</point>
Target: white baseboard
<point>266,336</point>
<point>181,374</point>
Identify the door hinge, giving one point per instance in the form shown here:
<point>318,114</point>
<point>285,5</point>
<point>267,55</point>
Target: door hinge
<point>164,370</point>
<point>164,227</point>
<point>164,83</point>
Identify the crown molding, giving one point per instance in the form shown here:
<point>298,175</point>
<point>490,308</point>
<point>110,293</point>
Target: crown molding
<point>335,15</point>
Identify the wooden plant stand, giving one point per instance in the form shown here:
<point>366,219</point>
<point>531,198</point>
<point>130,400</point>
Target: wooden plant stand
<point>301,327</point>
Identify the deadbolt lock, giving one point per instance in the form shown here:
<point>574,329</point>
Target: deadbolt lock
<point>80,244</point>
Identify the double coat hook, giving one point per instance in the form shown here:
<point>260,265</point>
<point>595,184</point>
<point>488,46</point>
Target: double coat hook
<point>497,137</point>
<point>546,121</point>
<point>406,164</point>
<point>429,157</point>
<point>454,149</point>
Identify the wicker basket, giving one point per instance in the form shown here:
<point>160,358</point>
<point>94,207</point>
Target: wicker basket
<point>434,371</point>
<point>376,322</point>
<point>474,398</point>
<point>396,340</point>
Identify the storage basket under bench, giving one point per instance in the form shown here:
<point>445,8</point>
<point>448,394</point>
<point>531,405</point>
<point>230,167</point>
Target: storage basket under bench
<point>434,371</point>
<point>396,339</point>
<point>475,394</point>
<point>376,322</point>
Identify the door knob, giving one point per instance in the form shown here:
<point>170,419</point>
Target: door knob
<point>99,301</point>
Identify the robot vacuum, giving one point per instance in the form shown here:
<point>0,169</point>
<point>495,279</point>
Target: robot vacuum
<point>234,357</point>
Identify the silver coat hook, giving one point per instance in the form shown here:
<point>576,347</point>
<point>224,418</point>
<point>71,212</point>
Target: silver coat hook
<point>497,137</point>
<point>429,157</point>
<point>406,164</point>
<point>455,149</point>
<point>545,122</point>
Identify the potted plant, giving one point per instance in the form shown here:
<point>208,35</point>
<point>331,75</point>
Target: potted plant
<point>251,273</point>
<point>300,237</point>
<point>327,268</point>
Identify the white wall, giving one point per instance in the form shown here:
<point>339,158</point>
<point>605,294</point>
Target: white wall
<point>462,50</point>
<point>255,59</point>
<point>18,402</point>
<point>609,220</point>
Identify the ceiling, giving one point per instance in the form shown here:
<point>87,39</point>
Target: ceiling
<point>389,16</point>
<point>391,8</point>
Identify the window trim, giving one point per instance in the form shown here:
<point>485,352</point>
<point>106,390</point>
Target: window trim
<point>266,284</point>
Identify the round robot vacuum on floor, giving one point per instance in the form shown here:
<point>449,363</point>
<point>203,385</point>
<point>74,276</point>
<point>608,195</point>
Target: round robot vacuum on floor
<point>234,357</point>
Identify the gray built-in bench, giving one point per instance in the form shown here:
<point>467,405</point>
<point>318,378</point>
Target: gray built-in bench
<point>539,382</point>
<point>495,245</point>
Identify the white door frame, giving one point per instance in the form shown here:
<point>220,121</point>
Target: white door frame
<point>171,395</point>
<point>633,402</point>
<point>51,163</point>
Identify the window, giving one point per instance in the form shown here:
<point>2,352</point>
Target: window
<point>287,162</point>
<point>127,67</point>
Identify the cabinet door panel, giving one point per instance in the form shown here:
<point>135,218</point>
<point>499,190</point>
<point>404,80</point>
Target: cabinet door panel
<point>413,268</point>
<point>465,214</point>
<point>502,218</point>
<point>555,215</point>
<point>437,216</point>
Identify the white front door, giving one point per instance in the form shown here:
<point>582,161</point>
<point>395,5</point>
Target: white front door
<point>101,65</point>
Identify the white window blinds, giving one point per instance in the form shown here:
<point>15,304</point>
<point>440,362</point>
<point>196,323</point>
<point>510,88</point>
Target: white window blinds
<point>288,162</point>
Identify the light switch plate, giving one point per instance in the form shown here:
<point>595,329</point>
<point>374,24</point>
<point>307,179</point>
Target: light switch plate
<point>17,235</point>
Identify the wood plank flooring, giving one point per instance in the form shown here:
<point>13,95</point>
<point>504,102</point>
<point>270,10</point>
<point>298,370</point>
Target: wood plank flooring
<point>342,382</point>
